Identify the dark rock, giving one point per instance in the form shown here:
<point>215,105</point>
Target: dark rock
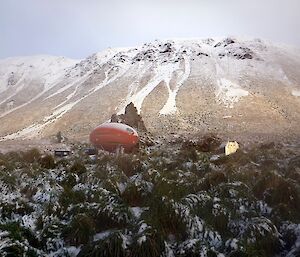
<point>228,41</point>
<point>166,50</point>
<point>218,44</point>
<point>208,143</point>
<point>225,42</point>
<point>114,118</point>
<point>247,56</point>
<point>202,54</point>
<point>240,53</point>
<point>130,117</point>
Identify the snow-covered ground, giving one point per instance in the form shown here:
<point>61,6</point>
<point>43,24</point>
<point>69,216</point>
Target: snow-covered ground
<point>174,200</point>
<point>229,93</point>
<point>296,92</point>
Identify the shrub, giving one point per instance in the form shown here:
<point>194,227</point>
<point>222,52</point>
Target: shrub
<point>284,192</point>
<point>9,180</point>
<point>111,246</point>
<point>104,221</point>
<point>294,163</point>
<point>47,162</point>
<point>31,156</point>
<point>188,154</point>
<point>294,175</point>
<point>13,156</point>
<point>9,209</point>
<point>13,250</point>
<point>18,233</point>
<point>164,217</point>
<point>260,237</point>
<point>3,162</point>
<point>69,181</point>
<point>78,168</point>
<point>208,143</point>
<point>80,230</point>
<point>213,179</point>
<point>147,243</point>
<point>113,208</point>
<point>279,193</point>
<point>29,191</point>
<point>62,162</point>
<point>249,176</point>
<point>170,188</point>
<point>129,164</point>
<point>51,233</point>
<point>187,205</point>
<point>132,195</point>
<point>104,160</point>
<point>193,248</point>
<point>70,196</point>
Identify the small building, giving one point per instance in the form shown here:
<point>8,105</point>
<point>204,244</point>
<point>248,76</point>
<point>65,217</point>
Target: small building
<point>113,137</point>
<point>62,153</point>
<point>91,151</point>
<point>231,147</point>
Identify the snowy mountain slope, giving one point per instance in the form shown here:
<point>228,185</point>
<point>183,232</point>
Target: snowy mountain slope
<point>224,86</point>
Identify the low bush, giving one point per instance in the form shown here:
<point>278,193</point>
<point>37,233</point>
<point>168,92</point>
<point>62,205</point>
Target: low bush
<point>111,246</point>
<point>31,156</point>
<point>162,201</point>
<point>80,230</point>
<point>147,242</point>
<point>129,164</point>
<point>213,179</point>
<point>47,162</point>
<point>69,196</point>
<point>78,168</point>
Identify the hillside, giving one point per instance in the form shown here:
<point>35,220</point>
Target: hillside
<point>225,86</point>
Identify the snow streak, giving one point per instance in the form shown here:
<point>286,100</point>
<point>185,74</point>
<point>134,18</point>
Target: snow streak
<point>170,105</point>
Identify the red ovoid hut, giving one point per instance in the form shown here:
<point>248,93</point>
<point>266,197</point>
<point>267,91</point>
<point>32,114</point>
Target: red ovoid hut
<point>114,136</point>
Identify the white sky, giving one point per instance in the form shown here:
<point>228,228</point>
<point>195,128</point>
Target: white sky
<point>78,28</point>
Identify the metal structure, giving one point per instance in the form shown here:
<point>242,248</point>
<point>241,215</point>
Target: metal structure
<point>114,137</point>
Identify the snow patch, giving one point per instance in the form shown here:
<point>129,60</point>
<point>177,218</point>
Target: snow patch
<point>73,251</point>
<point>162,73</point>
<point>296,92</point>
<point>229,93</point>
<point>48,69</point>
<point>137,212</point>
<point>102,235</point>
<point>141,239</point>
<point>170,106</point>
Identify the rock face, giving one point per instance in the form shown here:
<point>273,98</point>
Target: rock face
<point>221,86</point>
<point>131,118</point>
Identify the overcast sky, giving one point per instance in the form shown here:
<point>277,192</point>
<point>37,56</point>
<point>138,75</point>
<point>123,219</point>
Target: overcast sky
<point>78,28</point>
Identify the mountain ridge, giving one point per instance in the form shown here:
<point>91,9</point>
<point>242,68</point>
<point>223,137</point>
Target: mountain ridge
<point>221,86</point>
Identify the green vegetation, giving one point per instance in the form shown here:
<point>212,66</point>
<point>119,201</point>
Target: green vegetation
<point>175,201</point>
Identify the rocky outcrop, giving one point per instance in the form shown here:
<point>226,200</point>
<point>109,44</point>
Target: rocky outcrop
<point>131,118</point>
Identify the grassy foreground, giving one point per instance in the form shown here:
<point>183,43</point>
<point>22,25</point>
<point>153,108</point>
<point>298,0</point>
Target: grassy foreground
<point>182,200</point>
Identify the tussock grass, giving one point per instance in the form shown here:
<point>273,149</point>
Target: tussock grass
<point>172,201</point>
